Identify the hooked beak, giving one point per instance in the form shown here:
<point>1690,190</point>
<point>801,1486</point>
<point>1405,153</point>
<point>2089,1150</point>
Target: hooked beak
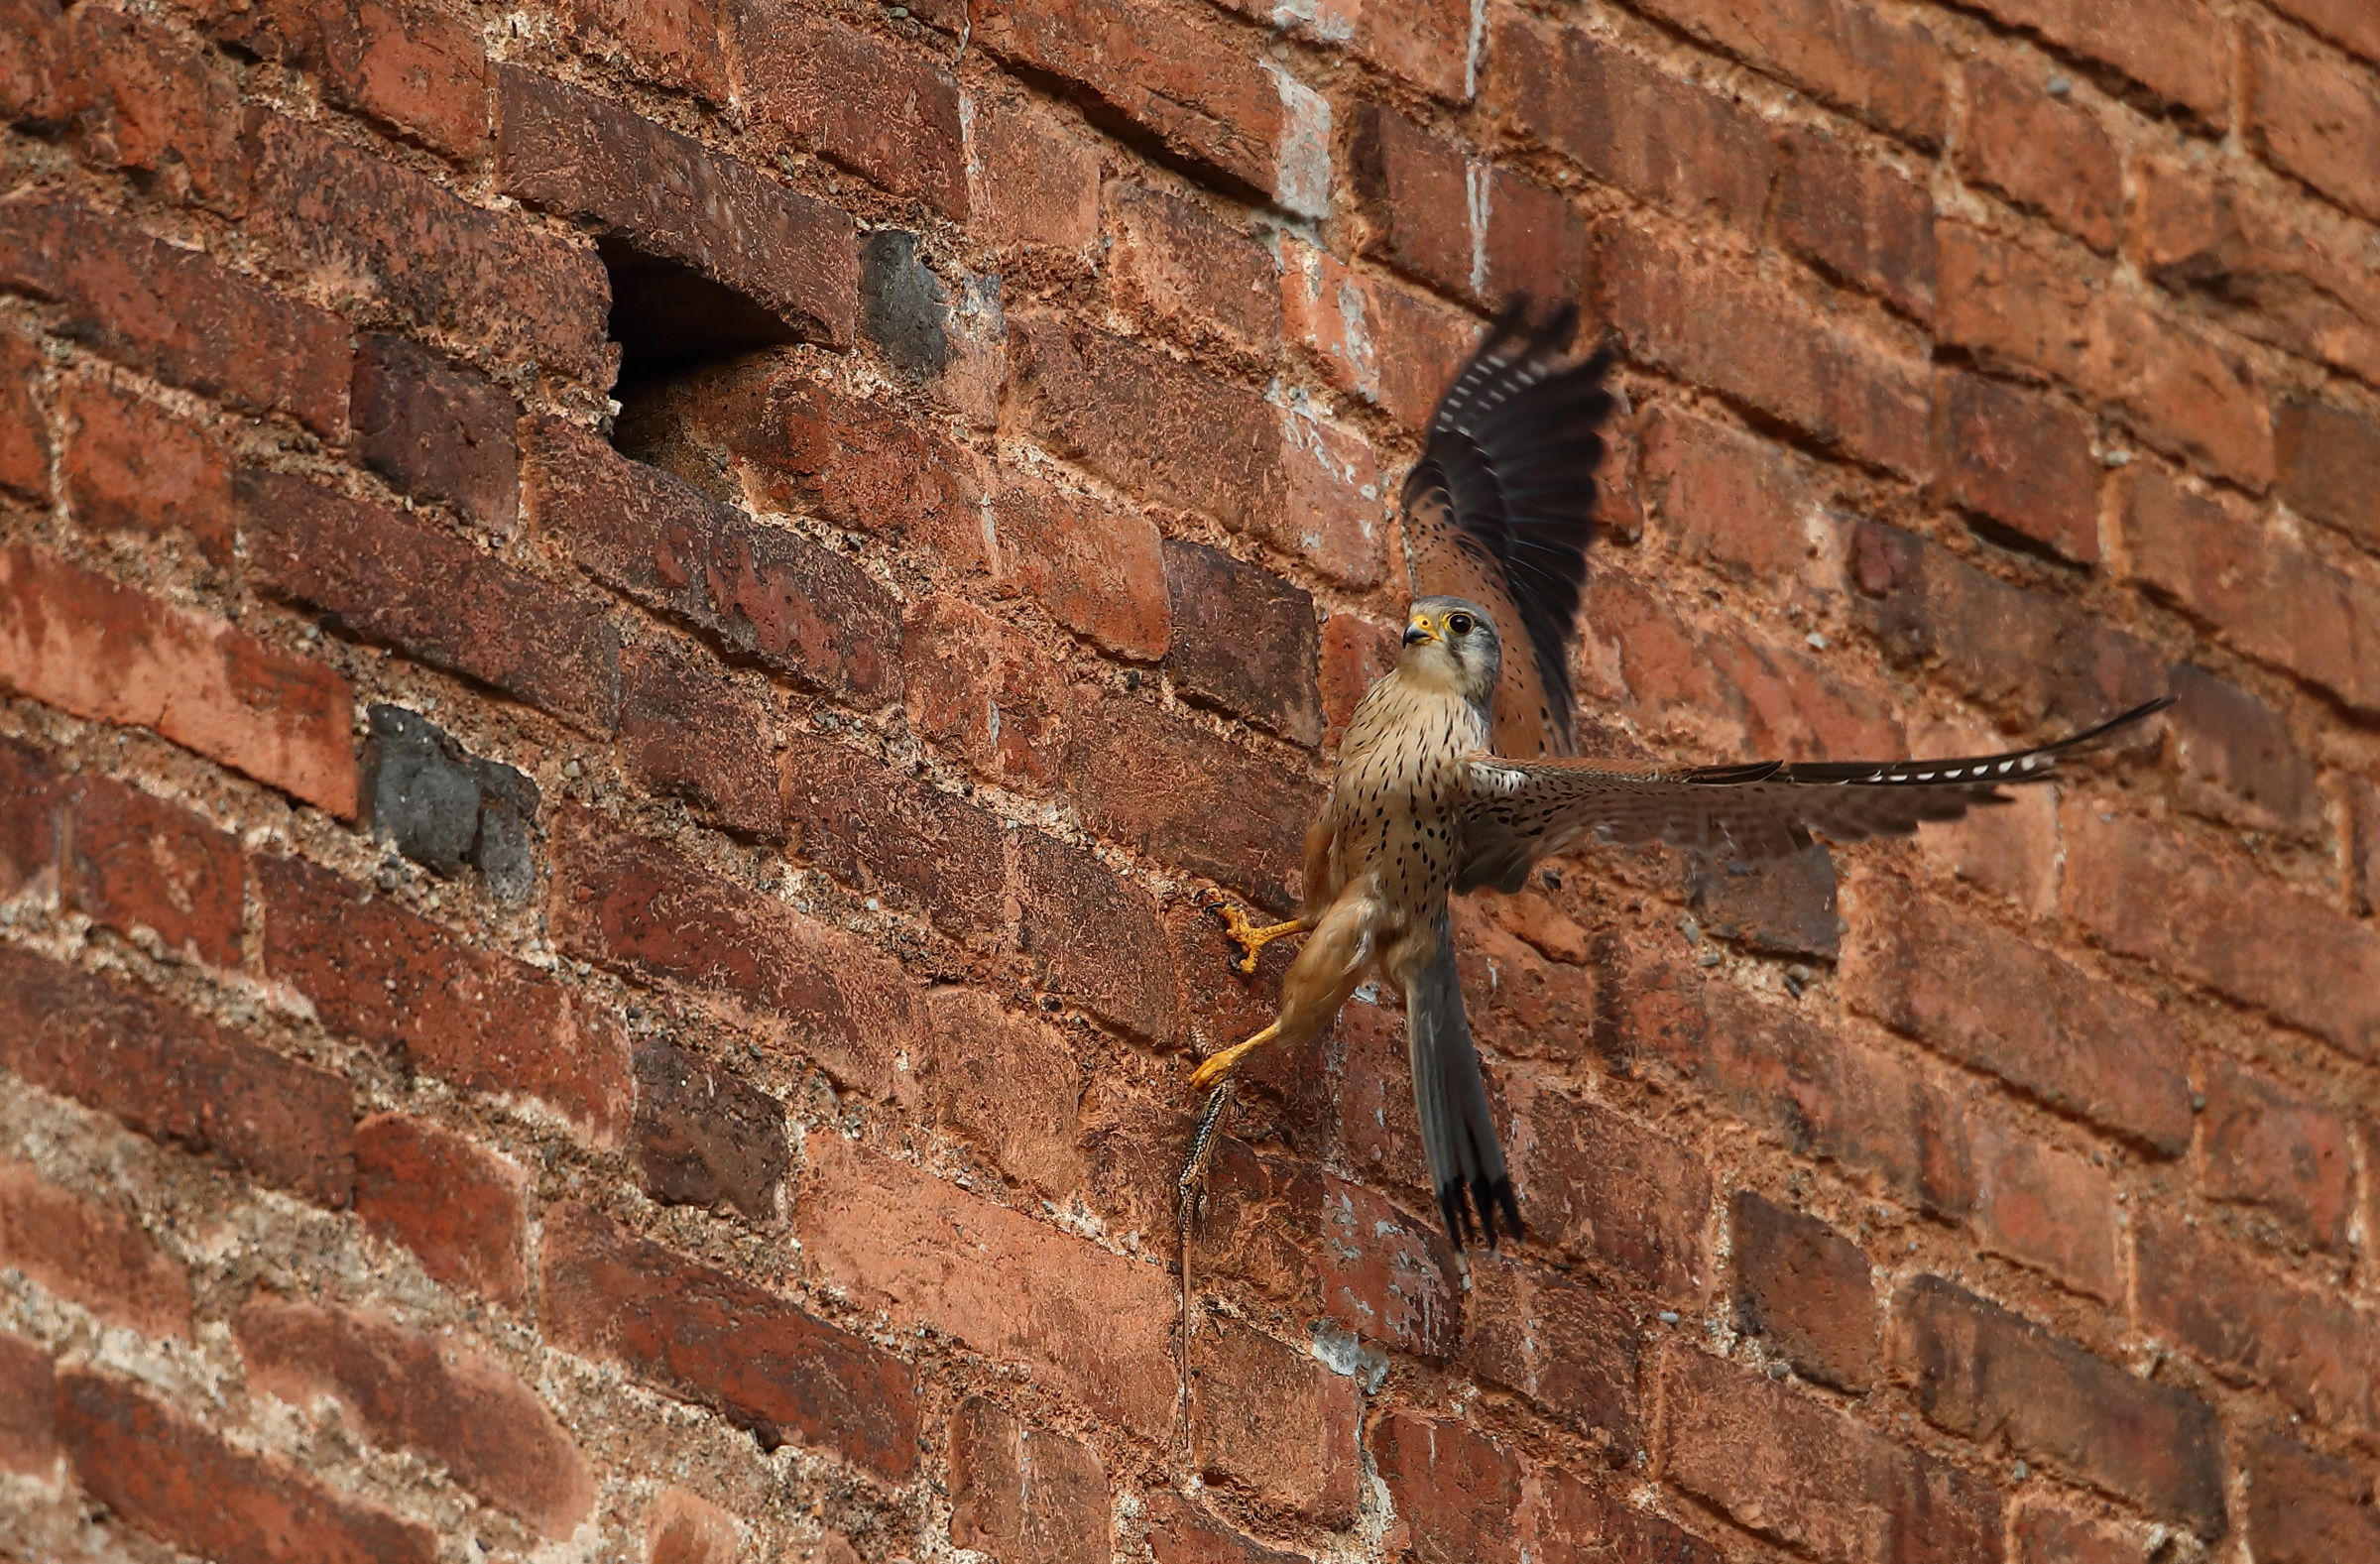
<point>1418,632</point>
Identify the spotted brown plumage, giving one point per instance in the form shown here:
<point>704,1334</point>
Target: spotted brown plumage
<point>1455,773</point>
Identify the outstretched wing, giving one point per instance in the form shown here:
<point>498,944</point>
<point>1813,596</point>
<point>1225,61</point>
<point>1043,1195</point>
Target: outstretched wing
<point>1500,507</point>
<point>1450,1100</point>
<point>1519,812</point>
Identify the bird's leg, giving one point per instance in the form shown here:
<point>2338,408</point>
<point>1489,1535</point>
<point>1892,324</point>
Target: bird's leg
<point>1214,1070</point>
<point>1249,935</point>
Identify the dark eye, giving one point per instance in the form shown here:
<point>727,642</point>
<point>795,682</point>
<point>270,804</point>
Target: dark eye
<point>1459,624</point>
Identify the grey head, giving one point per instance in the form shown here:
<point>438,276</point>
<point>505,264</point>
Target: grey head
<point>1453,638</point>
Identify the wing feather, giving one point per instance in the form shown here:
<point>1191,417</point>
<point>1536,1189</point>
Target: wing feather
<point>1521,810</point>
<point>1500,508</point>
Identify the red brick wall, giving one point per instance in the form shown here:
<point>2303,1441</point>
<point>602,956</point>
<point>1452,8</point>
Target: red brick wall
<point>707,1081</point>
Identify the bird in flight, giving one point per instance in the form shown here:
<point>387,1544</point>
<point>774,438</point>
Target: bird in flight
<point>1455,772</point>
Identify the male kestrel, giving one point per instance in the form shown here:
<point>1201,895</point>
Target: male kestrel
<point>1455,772</point>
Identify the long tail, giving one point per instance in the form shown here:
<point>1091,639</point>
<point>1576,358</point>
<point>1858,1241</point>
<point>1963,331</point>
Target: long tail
<point>1467,1167</point>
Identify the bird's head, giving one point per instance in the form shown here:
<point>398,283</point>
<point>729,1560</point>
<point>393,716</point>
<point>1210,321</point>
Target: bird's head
<point>1453,641</point>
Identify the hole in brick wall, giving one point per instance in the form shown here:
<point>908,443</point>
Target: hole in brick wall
<point>672,322</point>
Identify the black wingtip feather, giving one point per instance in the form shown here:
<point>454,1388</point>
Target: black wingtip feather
<point>1469,1204</point>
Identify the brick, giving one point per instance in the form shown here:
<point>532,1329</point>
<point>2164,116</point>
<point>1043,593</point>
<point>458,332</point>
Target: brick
<point>2037,656</point>
<point>1087,1324</point>
<point>1160,783</point>
<point>421,72</point>
<point>886,833</point>
<point>1574,1350</point>
<point>1126,975</point>
<point>443,807</point>
<point>1888,71</point>
<point>1009,1083</point>
<point>1428,44</point>
<point>2322,448</point>
<point>1245,643</point>
<point>2271,1147</point>
<point>1807,1290</point>
<point>1205,98</point>
<point>678,45</point>
<point>457,1408</point>
<point>1181,1533</point>
<point>1270,1418</point>
<point>2273,270</point>
<point>82,1251</point>
<point>2044,1534</point>
<point>2305,1507</point>
<point>1417,186</point>
<point>1095,565</point>
<point>2239,758</point>
<point>2185,393</point>
<point>910,144</point>
<point>459,1208</point>
<point>722,1343</point>
<point>1605,1188</point>
<point>1992,1376</point>
<point>859,463</point>
<point>1570,1518</point>
<point>1749,341</point>
<point>1340,317</point>
<point>1454,1492</point>
<point>1039,181</point>
<point>986,691</point>
<point>694,731</point>
<point>142,97</point>
<point>2046,1207</point>
<point>402,985</point>
<point>28,1392</point>
<point>443,602</point>
<point>2261,591</point>
<point>2159,43</point>
<point>2209,917</point>
<point>2361,849</point>
<point>1536,241</point>
<point>422,255</point>
<point>1992,1000</point>
<point>1858,220</point>
<point>172,1076</point>
<point>1781,1463</point>
<point>2345,22</point>
<point>2024,459</point>
<point>687,1529</point>
<point>1199,276</point>
<point>1145,423</point>
<point>29,73</point>
<point>2044,152</point>
<point>762,590</point>
<point>669,195</point>
<point>1023,1495</point>
<point>29,830</point>
<point>2320,1354</point>
<point>2010,304</point>
<point>165,1475</point>
<point>1627,124</point>
<point>176,313</point>
<point>636,904</point>
<point>26,445</point>
<point>130,860</point>
<point>437,432</point>
<point>2315,115</point>
<point>1726,496</point>
<point>131,466</point>
<point>704,1138</point>
<point>1355,654</point>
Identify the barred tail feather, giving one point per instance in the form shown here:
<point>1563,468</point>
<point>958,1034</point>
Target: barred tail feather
<point>1450,1099</point>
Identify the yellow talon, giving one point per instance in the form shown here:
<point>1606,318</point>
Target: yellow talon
<point>1223,1064</point>
<point>1252,936</point>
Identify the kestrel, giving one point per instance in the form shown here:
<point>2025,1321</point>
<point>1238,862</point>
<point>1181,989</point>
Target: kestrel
<point>1456,771</point>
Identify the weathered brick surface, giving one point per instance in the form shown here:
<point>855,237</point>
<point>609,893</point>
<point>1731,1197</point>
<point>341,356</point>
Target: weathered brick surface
<point>832,596</point>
